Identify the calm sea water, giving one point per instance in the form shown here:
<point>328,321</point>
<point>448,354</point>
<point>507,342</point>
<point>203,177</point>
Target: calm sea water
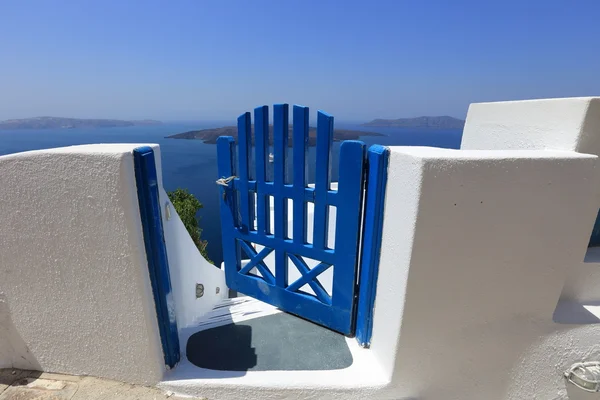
<point>191,164</point>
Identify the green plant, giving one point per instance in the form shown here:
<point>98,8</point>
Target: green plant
<point>187,206</point>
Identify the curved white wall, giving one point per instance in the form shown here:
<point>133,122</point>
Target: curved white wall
<point>188,268</point>
<point>186,265</point>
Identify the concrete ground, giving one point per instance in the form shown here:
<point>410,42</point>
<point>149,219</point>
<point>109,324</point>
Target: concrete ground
<point>32,385</point>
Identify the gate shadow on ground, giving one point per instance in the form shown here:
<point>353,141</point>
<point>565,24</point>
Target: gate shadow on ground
<point>575,313</point>
<point>221,315</point>
<point>224,348</point>
<point>278,342</point>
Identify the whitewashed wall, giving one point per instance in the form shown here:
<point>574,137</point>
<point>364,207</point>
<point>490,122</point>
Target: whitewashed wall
<point>186,265</point>
<point>571,124</point>
<point>560,124</point>
<point>188,268</point>
<point>75,293</point>
<point>476,248</point>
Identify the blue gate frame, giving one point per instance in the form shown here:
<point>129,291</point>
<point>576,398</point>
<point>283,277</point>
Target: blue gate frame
<point>156,252</point>
<point>335,311</point>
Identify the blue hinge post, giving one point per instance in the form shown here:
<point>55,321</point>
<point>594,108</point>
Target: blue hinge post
<point>156,251</point>
<point>377,164</point>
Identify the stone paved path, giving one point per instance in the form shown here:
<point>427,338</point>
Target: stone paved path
<point>31,385</point>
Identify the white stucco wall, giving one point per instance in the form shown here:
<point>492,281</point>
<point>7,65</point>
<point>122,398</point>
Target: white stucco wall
<point>476,248</point>
<point>560,124</point>
<point>187,268</point>
<point>571,124</point>
<point>186,265</point>
<point>75,294</point>
<point>73,266</point>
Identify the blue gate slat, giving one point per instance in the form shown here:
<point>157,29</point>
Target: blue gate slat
<point>322,179</point>
<point>350,189</point>
<point>377,157</point>
<point>244,144</point>
<point>300,175</point>
<point>261,143</point>
<point>280,145</point>
<point>226,168</point>
<point>156,251</point>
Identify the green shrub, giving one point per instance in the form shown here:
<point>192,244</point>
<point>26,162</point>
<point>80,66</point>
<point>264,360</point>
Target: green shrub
<point>187,205</point>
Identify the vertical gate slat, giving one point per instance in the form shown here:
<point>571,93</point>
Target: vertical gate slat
<point>261,142</point>
<point>322,179</point>
<point>300,149</point>
<point>226,168</point>
<point>244,128</point>
<point>350,191</point>
<point>280,144</point>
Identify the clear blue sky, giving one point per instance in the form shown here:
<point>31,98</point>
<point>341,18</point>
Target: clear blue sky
<point>192,60</point>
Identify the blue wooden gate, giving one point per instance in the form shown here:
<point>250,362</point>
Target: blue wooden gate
<point>248,238</point>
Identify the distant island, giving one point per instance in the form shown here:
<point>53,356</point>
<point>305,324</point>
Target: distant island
<point>443,122</point>
<point>210,136</point>
<point>70,123</point>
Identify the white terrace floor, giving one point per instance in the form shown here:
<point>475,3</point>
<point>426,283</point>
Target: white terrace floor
<point>275,364</point>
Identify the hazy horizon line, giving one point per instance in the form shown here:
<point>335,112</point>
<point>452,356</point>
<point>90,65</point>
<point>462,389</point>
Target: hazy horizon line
<point>220,120</point>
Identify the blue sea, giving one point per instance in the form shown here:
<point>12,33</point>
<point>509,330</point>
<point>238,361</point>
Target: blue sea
<point>191,164</point>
